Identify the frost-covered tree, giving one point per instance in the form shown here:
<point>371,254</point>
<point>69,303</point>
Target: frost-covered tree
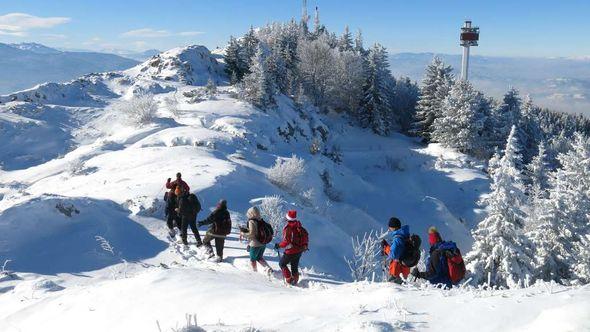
<point>461,120</point>
<point>499,249</point>
<point>358,43</point>
<point>249,47</point>
<point>375,108</point>
<point>403,101</point>
<point>235,66</point>
<point>364,260</point>
<point>350,77</point>
<point>561,236</point>
<point>316,70</point>
<point>345,43</point>
<point>259,87</point>
<point>211,88</point>
<point>436,85</point>
<point>506,115</point>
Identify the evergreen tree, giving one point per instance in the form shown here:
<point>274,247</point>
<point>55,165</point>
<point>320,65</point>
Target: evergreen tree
<point>499,247</point>
<point>505,116</point>
<point>462,120</point>
<point>259,87</point>
<point>249,46</point>
<point>211,88</point>
<point>345,43</point>
<point>562,235</point>
<point>234,65</point>
<point>436,85</point>
<point>358,43</point>
<point>375,105</point>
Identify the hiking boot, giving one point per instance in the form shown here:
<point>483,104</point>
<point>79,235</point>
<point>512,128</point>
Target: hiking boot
<point>171,232</point>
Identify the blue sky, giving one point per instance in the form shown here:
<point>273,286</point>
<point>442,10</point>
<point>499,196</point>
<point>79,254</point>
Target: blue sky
<point>518,27</point>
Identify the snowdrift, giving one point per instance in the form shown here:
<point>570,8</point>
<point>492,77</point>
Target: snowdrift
<point>51,235</point>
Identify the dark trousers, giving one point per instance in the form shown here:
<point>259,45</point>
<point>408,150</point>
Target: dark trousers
<point>219,243</point>
<point>192,222</point>
<point>172,220</point>
<point>293,260</point>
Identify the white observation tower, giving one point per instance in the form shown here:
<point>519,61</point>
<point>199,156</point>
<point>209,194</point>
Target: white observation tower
<point>469,37</point>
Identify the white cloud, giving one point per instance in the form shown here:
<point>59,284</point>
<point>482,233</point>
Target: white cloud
<point>17,24</point>
<point>153,33</point>
<point>55,36</point>
<point>190,33</point>
<point>147,33</point>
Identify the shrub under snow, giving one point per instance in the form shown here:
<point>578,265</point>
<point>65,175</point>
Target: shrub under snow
<point>140,110</point>
<point>287,172</point>
<point>364,260</point>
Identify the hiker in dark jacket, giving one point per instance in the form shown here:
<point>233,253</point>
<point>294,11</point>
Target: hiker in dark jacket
<point>172,218</point>
<point>178,182</point>
<point>394,247</point>
<point>436,272</point>
<point>188,208</point>
<point>255,247</point>
<point>217,231</point>
<point>293,252</point>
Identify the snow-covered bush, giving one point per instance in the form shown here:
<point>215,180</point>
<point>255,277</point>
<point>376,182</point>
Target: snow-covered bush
<point>211,88</point>
<point>286,173</point>
<point>140,110</point>
<point>364,260</point>
<point>171,104</point>
<point>272,210</point>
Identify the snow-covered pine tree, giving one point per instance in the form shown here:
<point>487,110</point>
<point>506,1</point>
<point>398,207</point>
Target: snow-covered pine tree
<point>436,85</point>
<point>211,88</point>
<point>506,115</point>
<point>530,129</point>
<point>358,43</point>
<point>249,47</point>
<point>500,246</point>
<point>345,43</point>
<point>562,235</point>
<point>537,179</point>
<point>234,66</point>
<point>277,68</point>
<point>374,112</point>
<point>405,97</point>
<point>258,86</point>
<point>461,120</point>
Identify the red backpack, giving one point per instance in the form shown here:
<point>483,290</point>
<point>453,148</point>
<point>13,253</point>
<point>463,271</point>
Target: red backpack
<point>455,263</point>
<point>300,237</point>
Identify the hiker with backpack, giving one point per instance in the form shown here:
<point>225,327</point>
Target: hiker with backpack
<point>220,221</point>
<point>295,242</point>
<point>172,217</point>
<point>402,250</point>
<point>445,263</point>
<point>259,233</point>
<point>188,208</point>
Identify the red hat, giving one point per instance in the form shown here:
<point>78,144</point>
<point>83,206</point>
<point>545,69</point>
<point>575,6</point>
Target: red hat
<point>291,215</point>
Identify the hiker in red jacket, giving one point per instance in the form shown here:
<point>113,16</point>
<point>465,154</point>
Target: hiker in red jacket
<point>178,182</point>
<point>295,242</point>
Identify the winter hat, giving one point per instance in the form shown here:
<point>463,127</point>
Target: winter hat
<point>222,203</point>
<point>433,236</point>
<point>253,213</point>
<point>394,223</point>
<point>291,215</point>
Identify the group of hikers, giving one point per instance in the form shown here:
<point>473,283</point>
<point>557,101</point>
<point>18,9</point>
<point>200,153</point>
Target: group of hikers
<point>182,208</point>
<point>400,249</point>
<point>444,266</point>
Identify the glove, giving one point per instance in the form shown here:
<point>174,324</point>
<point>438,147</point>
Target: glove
<point>277,246</point>
<point>248,248</point>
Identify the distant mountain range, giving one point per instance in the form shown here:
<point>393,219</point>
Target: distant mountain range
<point>557,83</point>
<point>25,65</point>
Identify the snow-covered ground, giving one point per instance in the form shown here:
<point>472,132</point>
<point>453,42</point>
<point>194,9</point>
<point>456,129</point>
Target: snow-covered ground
<point>77,178</point>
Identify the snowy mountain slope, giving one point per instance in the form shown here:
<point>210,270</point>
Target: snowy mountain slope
<point>113,172</point>
<point>192,65</point>
<point>28,64</point>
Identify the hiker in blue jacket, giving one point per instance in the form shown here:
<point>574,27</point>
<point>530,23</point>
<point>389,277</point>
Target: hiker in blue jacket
<point>394,247</point>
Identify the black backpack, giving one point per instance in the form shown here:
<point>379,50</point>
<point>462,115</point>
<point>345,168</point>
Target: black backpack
<point>265,232</point>
<point>223,226</point>
<point>412,252</point>
<point>194,202</point>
